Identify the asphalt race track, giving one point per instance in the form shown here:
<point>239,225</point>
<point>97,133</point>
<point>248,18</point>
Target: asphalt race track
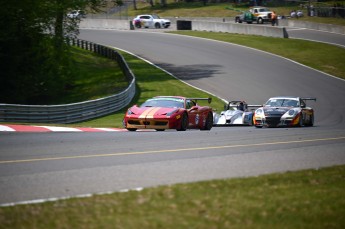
<point>38,166</point>
<point>319,36</point>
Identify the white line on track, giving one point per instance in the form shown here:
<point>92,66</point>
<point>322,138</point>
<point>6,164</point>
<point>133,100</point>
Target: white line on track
<point>38,201</point>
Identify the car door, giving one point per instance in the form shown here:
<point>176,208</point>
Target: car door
<point>149,20</point>
<point>193,113</point>
<point>146,20</point>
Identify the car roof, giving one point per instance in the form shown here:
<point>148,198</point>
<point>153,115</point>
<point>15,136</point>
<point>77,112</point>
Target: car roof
<point>259,7</point>
<point>285,97</point>
<point>173,97</point>
<point>145,15</point>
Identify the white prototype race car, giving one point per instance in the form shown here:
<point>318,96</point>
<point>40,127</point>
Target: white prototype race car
<point>235,113</point>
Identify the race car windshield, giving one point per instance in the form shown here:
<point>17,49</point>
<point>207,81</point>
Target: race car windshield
<point>163,103</point>
<point>263,10</point>
<point>282,103</point>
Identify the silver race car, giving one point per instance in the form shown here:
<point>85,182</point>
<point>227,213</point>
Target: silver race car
<point>235,113</point>
<point>284,111</point>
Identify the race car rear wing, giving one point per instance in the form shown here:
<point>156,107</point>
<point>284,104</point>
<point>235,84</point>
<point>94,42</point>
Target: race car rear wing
<point>236,103</point>
<point>209,100</point>
<point>307,98</point>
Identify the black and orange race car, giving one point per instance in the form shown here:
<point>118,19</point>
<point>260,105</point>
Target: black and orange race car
<point>284,111</point>
<point>169,112</point>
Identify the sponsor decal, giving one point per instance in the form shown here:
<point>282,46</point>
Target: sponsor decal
<point>153,112</point>
<point>148,113</point>
<point>143,115</point>
<point>178,116</point>
<point>197,119</point>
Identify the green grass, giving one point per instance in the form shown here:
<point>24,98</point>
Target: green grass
<point>151,82</point>
<point>95,77</point>
<point>304,199</point>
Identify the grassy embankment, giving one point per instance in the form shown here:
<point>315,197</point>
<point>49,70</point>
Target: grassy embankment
<point>305,199</point>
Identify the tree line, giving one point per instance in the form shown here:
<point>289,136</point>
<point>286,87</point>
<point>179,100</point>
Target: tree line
<point>35,60</point>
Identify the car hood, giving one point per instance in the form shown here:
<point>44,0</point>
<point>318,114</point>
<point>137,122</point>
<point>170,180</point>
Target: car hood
<point>276,111</point>
<point>150,111</point>
<point>230,113</point>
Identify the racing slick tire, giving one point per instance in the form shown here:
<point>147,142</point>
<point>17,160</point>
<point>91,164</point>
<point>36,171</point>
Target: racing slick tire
<point>131,129</point>
<point>184,123</point>
<point>311,121</point>
<point>238,20</point>
<point>208,122</point>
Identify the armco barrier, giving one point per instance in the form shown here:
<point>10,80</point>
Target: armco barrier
<point>199,25</point>
<point>269,31</point>
<point>312,25</point>
<point>241,28</point>
<point>105,24</point>
<point>75,112</point>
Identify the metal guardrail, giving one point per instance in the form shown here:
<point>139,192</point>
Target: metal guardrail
<point>75,112</point>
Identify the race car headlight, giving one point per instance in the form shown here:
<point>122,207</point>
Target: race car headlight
<point>258,112</point>
<point>291,112</point>
<point>171,112</point>
<point>129,112</point>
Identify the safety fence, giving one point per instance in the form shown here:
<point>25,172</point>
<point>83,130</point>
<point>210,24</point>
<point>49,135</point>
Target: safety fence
<point>75,112</point>
<point>336,12</point>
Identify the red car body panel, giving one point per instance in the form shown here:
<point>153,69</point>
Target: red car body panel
<point>161,118</point>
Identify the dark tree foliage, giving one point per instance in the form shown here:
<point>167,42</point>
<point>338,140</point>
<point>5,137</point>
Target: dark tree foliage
<point>36,65</point>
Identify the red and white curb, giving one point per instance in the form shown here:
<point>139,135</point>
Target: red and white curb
<point>26,128</point>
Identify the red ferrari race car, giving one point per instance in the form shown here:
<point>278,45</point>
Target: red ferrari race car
<point>169,112</point>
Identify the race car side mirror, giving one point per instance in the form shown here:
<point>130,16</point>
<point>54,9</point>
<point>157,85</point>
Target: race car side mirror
<point>194,108</point>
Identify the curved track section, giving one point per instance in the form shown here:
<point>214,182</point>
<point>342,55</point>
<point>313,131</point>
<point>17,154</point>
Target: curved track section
<point>316,35</point>
<point>232,72</point>
<point>45,165</point>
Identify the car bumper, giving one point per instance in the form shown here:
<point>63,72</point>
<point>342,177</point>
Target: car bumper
<point>273,122</point>
<point>148,124</point>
